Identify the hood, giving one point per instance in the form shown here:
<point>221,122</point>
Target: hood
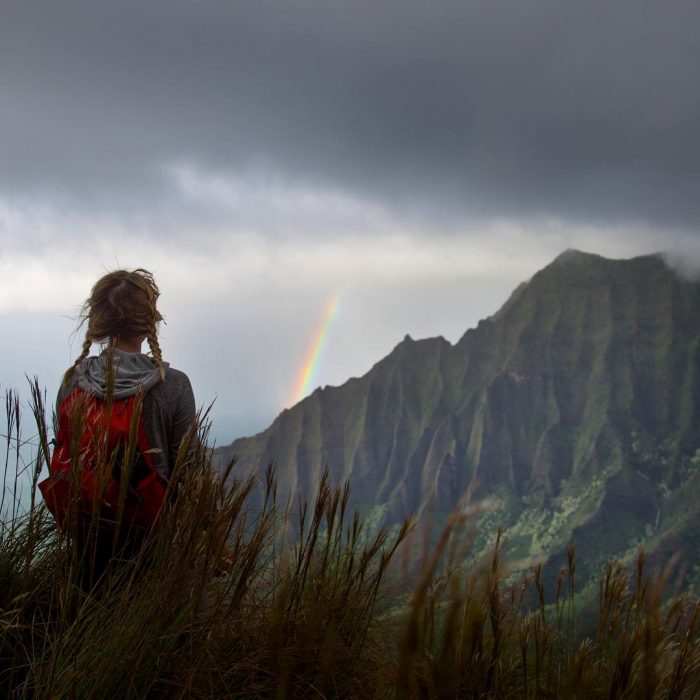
<point>133,371</point>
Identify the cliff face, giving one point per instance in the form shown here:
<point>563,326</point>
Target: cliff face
<point>576,407</point>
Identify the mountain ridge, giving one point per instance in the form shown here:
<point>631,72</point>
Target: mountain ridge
<point>582,389</point>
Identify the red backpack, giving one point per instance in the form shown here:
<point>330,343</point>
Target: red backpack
<point>98,445</point>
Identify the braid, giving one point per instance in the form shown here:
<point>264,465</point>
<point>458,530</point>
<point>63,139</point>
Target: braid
<point>87,344</point>
<point>152,339</point>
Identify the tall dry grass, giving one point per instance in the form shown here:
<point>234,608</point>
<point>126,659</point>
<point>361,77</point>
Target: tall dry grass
<point>230,599</point>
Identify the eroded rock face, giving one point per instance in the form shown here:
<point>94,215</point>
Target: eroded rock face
<point>576,406</point>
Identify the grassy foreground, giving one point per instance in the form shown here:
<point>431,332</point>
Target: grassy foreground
<point>227,600</point>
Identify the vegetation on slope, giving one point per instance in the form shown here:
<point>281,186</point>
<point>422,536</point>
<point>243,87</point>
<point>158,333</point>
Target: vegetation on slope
<point>228,601</point>
<point>575,407</point>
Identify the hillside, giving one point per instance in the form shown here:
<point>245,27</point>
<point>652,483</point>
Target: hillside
<point>575,407</point>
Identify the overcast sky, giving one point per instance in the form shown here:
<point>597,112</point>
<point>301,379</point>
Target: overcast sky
<point>418,159</point>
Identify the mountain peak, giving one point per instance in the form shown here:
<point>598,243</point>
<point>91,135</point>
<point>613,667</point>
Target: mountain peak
<point>576,406</point>
<point>573,256</point>
<point>574,267</point>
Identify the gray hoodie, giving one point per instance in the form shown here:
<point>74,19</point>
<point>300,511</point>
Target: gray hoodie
<point>168,405</point>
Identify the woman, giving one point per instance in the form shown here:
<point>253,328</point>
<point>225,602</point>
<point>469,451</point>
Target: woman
<point>122,418</point>
<point>121,313</point>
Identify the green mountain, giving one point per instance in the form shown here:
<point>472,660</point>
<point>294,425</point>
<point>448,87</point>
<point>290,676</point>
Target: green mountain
<point>575,410</point>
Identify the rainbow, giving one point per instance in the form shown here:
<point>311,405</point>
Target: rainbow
<point>306,374</point>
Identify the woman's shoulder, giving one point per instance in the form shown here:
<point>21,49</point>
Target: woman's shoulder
<point>176,383</point>
<point>65,388</point>
<point>173,395</point>
<point>175,376</point>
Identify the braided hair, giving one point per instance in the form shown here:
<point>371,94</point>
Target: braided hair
<point>122,304</point>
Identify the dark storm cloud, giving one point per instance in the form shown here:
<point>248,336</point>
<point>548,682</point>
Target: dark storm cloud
<point>587,110</point>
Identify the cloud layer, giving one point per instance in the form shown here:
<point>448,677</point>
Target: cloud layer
<point>585,110</point>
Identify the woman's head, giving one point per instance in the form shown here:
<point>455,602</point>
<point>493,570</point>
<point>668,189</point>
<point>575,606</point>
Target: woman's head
<point>122,307</point>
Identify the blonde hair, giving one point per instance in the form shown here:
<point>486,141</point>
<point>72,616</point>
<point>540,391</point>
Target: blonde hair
<point>122,304</point>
